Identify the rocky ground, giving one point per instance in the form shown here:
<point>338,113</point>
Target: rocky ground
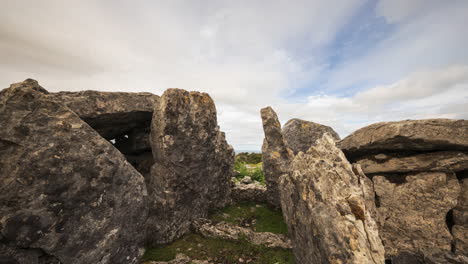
<point>240,233</point>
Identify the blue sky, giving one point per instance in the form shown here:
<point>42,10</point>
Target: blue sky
<point>343,63</point>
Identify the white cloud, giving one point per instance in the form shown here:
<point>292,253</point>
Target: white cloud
<point>246,55</point>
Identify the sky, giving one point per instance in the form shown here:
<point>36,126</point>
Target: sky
<point>341,63</point>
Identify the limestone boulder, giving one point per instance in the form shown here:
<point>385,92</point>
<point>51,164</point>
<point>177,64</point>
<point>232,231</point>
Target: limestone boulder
<point>413,209</point>
<point>276,156</point>
<point>443,161</point>
<point>66,194</point>
<point>300,135</point>
<point>325,205</point>
<point>406,136</point>
<point>111,114</point>
<point>193,164</point>
<point>460,218</point>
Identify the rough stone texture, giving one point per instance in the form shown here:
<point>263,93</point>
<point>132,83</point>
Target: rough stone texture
<point>228,231</point>
<point>444,161</point>
<point>276,156</point>
<point>66,194</point>
<point>413,213</point>
<point>460,219</point>
<point>179,259</point>
<point>300,135</point>
<point>193,164</point>
<point>408,135</point>
<point>111,114</point>
<point>252,192</point>
<point>325,207</point>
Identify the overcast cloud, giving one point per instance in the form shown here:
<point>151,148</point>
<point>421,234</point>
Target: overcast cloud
<point>343,63</point>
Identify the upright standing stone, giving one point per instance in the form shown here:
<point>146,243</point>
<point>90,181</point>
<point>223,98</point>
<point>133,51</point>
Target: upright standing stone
<point>460,218</point>
<point>193,164</point>
<point>66,194</point>
<point>326,207</point>
<point>276,156</point>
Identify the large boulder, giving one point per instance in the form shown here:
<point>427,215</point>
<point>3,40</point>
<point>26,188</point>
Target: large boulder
<point>66,194</point>
<point>300,135</point>
<point>407,136</point>
<point>193,164</point>
<point>328,208</point>
<point>413,209</point>
<point>111,114</point>
<point>276,156</point>
<point>445,161</point>
<point>460,218</point>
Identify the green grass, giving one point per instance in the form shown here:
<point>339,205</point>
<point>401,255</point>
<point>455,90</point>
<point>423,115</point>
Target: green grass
<point>219,251</point>
<point>255,171</point>
<point>266,219</point>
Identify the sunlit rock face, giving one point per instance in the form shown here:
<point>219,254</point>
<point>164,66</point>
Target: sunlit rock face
<point>66,194</point>
<point>329,208</point>
<point>193,164</point>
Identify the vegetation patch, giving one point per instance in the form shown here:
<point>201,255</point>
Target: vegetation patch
<point>219,251</point>
<point>259,217</point>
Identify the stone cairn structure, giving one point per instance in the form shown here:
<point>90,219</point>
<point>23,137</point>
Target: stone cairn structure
<point>94,177</point>
<point>407,190</point>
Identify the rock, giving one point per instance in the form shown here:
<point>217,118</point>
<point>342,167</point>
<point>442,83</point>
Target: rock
<point>408,135</point>
<point>180,258</point>
<point>300,135</point>
<point>460,219</point>
<point>443,161</point>
<point>325,207</point>
<point>246,180</point>
<point>193,164</point>
<point>66,194</point>
<point>413,211</point>
<point>276,156</point>
<point>229,231</point>
<point>253,192</point>
<point>111,114</point>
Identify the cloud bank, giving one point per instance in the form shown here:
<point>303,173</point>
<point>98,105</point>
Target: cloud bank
<point>343,63</point>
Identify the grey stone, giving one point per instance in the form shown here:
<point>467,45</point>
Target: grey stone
<point>412,213</point>
<point>66,194</point>
<point>193,164</point>
<point>300,135</point>
<point>276,156</point>
<point>325,205</point>
<point>407,135</point>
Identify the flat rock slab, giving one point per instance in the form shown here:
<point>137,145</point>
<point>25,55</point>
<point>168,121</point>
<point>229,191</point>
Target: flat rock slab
<point>111,113</point>
<point>328,209</point>
<point>66,194</point>
<point>300,135</point>
<point>252,192</point>
<point>443,161</point>
<point>413,213</point>
<point>405,136</point>
<point>229,231</point>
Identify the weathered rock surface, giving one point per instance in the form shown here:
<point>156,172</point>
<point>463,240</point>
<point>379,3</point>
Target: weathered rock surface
<point>193,164</point>
<point>228,231</point>
<point>413,212</point>
<point>325,207</point>
<point>276,156</point>
<point>252,192</point>
<point>300,135</point>
<point>444,161</point>
<point>111,114</point>
<point>460,218</point>
<point>66,194</point>
<point>408,135</point>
